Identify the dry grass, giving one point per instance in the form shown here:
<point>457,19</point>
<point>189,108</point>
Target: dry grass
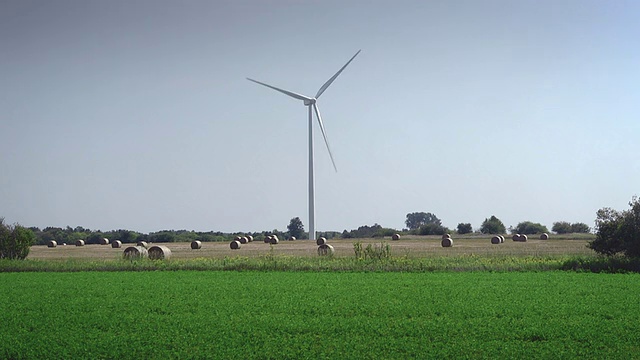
<point>409,246</point>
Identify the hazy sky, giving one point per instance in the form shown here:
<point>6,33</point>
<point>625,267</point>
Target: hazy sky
<point>137,115</point>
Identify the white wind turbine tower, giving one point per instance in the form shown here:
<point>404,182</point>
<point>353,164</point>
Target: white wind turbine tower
<point>310,102</point>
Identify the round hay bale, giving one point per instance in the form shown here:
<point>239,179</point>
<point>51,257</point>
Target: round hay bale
<point>544,236</point>
<point>267,240</point>
<point>395,237</point>
<point>117,244</point>
<point>516,237</point>
<point>235,245</point>
<point>446,236</point>
<point>321,241</point>
<point>292,238</point>
<point>249,238</point>
<point>159,252</point>
<point>501,238</point>
<point>144,244</point>
<point>195,245</point>
<point>237,238</point>
<point>496,240</point>
<point>274,240</point>
<point>447,242</point>
<point>104,241</point>
<point>135,252</point>
<point>52,243</point>
<point>80,243</point>
<point>325,249</point>
<point>523,238</point>
<point>243,240</point>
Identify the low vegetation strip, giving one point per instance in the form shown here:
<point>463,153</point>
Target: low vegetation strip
<point>495,263</point>
<point>315,315</point>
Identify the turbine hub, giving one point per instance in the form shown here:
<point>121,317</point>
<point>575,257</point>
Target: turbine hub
<point>310,101</point>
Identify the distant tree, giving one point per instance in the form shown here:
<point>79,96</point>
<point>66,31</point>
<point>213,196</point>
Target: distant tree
<point>618,231</point>
<point>15,241</point>
<point>464,228</point>
<point>418,219</point>
<point>296,228</point>
<point>432,229</point>
<point>492,225</point>
<point>580,228</point>
<point>561,227</point>
<point>528,228</point>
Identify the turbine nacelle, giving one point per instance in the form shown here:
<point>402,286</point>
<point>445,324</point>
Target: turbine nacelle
<point>310,101</point>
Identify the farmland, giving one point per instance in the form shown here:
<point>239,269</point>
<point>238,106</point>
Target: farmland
<point>473,300</point>
<point>292,315</point>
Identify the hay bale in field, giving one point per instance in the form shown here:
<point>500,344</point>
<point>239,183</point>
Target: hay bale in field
<point>447,242</point>
<point>144,244</point>
<point>52,243</point>
<point>274,239</point>
<point>159,252</point>
<point>196,244</point>
<point>501,238</point>
<point>496,240</point>
<point>267,239</point>
<point>243,240</point>
<point>325,249</point>
<point>321,241</point>
<point>235,245</point>
<point>395,237</point>
<point>135,252</point>
<point>446,236</point>
<point>292,238</point>
<point>117,244</point>
<point>516,237</point>
<point>104,241</point>
<point>80,243</point>
<point>249,238</point>
<point>544,236</point>
<point>523,238</point>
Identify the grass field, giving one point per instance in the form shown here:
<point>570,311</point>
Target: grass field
<point>319,315</point>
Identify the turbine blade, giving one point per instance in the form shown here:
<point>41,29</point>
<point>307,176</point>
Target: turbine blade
<point>324,135</point>
<point>286,92</point>
<point>326,85</point>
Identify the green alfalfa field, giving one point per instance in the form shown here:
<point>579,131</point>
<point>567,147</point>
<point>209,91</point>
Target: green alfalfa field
<point>490,302</point>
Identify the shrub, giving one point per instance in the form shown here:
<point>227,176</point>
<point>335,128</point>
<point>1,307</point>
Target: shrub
<point>493,225</point>
<point>618,232</point>
<point>432,229</point>
<point>561,227</point>
<point>464,228</point>
<point>528,227</point>
<point>580,228</point>
<point>15,241</point>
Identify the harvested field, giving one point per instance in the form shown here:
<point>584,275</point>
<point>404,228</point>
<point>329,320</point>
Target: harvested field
<point>413,247</point>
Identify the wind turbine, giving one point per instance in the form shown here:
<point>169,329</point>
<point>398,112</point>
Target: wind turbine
<point>310,102</point>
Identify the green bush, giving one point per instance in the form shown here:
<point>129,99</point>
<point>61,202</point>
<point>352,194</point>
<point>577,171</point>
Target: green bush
<point>15,241</point>
<point>493,225</point>
<point>528,228</point>
<point>618,232</point>
<point>464,228</point>
<point>432,229</point>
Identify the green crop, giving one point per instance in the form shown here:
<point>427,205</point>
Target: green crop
<point>319,315</point>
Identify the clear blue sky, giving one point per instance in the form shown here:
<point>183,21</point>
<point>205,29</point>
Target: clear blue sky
<point>137,114</point>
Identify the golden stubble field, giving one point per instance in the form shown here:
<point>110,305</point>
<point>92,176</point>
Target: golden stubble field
<point>413,247</point>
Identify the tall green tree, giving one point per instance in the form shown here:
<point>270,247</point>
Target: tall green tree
<point>296,228</point>
<point>492,225</point>
<point>417,219</point>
